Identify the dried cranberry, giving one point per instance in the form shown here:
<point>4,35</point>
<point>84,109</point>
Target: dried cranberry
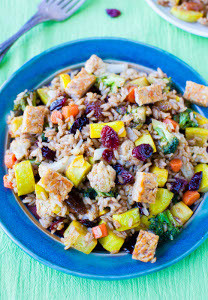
<point>97,110</point>
<point>112,12</point>
<point>57,104</point>
<point>89,223</point>
<point>140,206</point>
<point>33,210</point>
<point>148,120</point>
<point>55,223</point>
<point>109,138</point>
<point>142,152</point>
<point>129,244</point>
<point>108,155</point>
<point>75,203</point>
<point>178,185</point>
<point>195,182</point>
<point>79,124</point>
<point>122,175</point>
<point>48,153</point>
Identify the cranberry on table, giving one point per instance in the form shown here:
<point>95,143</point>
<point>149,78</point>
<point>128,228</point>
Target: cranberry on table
<point>57,104</point>
<point>108,155</point>
<point>142,152</point>
<point>109,138</point>
<point>195,181</point>
<point>113,12</point>
<point>48,153</point>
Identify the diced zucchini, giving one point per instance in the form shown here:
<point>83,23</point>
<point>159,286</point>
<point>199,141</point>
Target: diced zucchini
<point>200,119</point>
<point>186,15</point>
<point>64,80</point>
<point>127,220</point>
<point>181,212</point>
<point>162,175</point>
<point>91,160</point>
<point>111,242</point>
<point>139,115</point>
<point>15,125</point>
<point>75,236</point>
<point>118,126</point>
<point>43,94</point>
<point>40,192</point>
<point>103,212</point>
<point>203,188</point>
<point>77,170</point>
<point>146,139</point>
<point>163,199</point>
<point>201,135</point>
<point>24,178</point>
<point>144,223</point>
<point>142,81</point>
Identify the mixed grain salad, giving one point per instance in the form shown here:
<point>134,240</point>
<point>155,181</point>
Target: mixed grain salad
<point>108,156</point>
<point>188,10</point>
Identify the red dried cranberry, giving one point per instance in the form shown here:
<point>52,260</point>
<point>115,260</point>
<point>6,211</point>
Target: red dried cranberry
<point>140,206</point>
<point>109,138</point>
<point>79,124</point>
<point>57,104</point>
<point>55,223</point>
<point>122,175</point>
<point>97,110</point>
<point>108,155</point>
<point>142,152</point>
<point>129,244</point>
<point>178,185</point>
<point>48,153</point>
<point>89,223</point>
<point>112,12</point>
<point>75,203</point>
<point>195,181</point>
<point>33,210</point>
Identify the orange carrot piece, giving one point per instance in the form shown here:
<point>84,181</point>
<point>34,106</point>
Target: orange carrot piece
<point>190,197</point>
<point>131,96</point>
<point>173,124</point>
<point>56,116</point>
<point>100,231</point>
<point>70,110</point>
<point>176,164</point>
<point>9,160</point>
<point>7,184</point>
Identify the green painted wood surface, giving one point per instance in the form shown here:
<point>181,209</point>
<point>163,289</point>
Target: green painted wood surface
<point>21,277</point>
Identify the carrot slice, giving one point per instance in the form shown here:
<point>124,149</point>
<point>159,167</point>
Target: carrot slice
<point>176,164</point>
<point>9,160</point>
<point>7,184</point>
<point>100,231</point>
<point>70,110</point>
<point>131,96</point>
<point>190,197</point>
<point>56,116</point>
<point>173,124</point>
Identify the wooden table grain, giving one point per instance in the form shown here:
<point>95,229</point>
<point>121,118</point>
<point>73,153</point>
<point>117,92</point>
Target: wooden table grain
<point>21,277</point>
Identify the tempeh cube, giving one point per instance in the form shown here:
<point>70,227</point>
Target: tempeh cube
<point>145,187</point>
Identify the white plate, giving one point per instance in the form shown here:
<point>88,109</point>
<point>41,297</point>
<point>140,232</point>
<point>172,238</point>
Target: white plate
<point>164,12</point>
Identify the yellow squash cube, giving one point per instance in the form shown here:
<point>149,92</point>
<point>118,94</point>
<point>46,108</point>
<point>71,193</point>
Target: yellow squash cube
<point>163,199</point>
<point>40,192</point>
<point>43,94</point>
<point>142,81</point>
<point>181,212</point>
<point>200,119</point>
<point>118,126</point>
<point>127,220</point>
<point>162,175</point>
<point>111,242</point>
<point>196,132</point>
<point>203,188</point>
<point>146,139</point>
<point>77,170</point>
<point>15,125</point>
<point>24,178</point>
<point>64,80</point>
<point>186,15</point>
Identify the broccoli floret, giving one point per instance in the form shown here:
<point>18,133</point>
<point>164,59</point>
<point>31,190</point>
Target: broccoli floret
<point>165,226</point>
<point>112,193</point>
<point>186,119</point>
<point>168,142</point>
<point>22,103</point>
<point>139,115</point>
<point>113,81</point>
<point>90,193</point>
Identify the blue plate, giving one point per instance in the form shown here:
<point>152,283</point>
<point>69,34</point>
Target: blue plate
<point>24,231</point>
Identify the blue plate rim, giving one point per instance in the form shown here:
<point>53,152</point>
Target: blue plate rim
<point>47,262</point>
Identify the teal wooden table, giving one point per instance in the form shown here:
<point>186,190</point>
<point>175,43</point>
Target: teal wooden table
<point>21,277</point>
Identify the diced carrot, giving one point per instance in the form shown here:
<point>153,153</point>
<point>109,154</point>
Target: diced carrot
<point>9,160</point>
<point>190,197</point>
<point>70,110</point>
<point>56,116</point>
<point>131,96</point>
<point>7,184</point>
<point>100,231</point>
<point>173,124</point>
<point>176,164</point>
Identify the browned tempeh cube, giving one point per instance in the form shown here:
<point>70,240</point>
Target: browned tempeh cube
<point>148,94</point>
<point>145,187</point>
<point>196,93</point>
<point>33,119</point>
